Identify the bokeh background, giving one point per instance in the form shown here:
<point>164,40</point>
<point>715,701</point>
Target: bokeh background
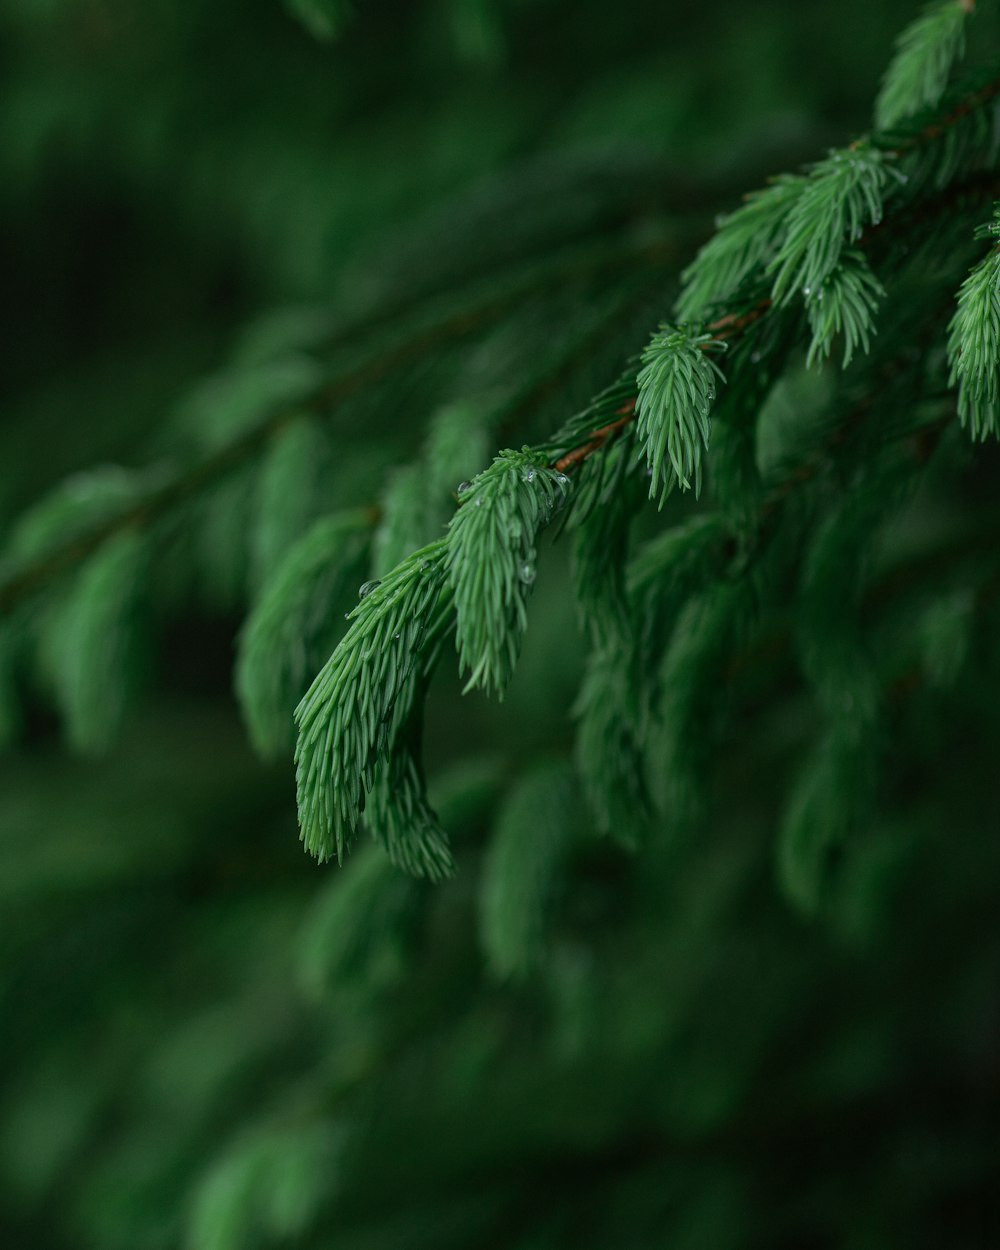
<point>207,1039</point>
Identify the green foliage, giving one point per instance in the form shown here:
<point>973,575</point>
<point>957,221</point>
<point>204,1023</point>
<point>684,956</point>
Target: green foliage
<point>358,930</point>
<point>677,386</point>
<point>347,716</point>
<point>826,808</point>
<point>323,19</point>
<point>831,639</point>
<point>743,242</point>
<point>671,569</point>
<point>711,883</point>
<point>844,304</point>
<point>612,722</point>
<point>72,511</point>
<point>267,1189</point>
<point>94,635</point>
<point>535,828</point>
<point>703,642</point>
<point>476,30</point>
<point>946,636</point>
<point>617,700</point>
<point>974,344</point>
<point>238,400</point>
<point>403,513</point>
<point>492,558</point>
<point>926,51</point>
<point>607,498</point>
<point>10,712</point>
<point>399,813</point>
<point>458,444</point>
<point>843,194</point>
<point>86,638</point>
<point>292,626</point>
<point>417,500</point>
<point>288,493</point>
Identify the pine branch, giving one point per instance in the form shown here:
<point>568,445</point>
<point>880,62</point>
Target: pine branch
<point>533,187</point>
<point>974,341</point>
<point>290,630</point>
<point>160,502</point>
<point>347,716</point>
<point>723,330</point>
<point>534,830</point>
<point>27,581</point>
<point>677,386</point>
<point>492,560</point>
<point>926,52</point>
<point>729,327</point>
<point>355,720</point>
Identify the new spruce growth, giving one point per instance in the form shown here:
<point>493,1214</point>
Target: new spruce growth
<point>493,560</point>
<point>974,341</point>
<point>349,714</point>
<point>926,52</point>
<point>677,387</point>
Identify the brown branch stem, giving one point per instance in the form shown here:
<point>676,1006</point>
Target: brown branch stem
<point>732,325</point>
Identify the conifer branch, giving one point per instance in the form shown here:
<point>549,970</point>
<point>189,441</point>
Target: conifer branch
<point>489,554</point>
<point>964,108</point>
<point>974,341</point>
<point>730,326</point>
<point>290,629</point>
<point>597,440</point>
<point>722,330</point>
<point>677,386</point>
<point>926,52</point>
<point>492,559</point>
<point>806,654</point>
<point>26,581</point>
<point>347,718</point>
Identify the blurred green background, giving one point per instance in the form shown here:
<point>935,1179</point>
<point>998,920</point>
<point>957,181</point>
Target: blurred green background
<point>208,1040</point>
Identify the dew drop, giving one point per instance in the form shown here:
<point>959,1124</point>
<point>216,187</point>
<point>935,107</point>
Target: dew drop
<point>397,635</point>
<point>807,290</point>
<point>424,565</point>
<point>368,587</point>
<point>562,479</point>
<point>463,487</point>
<point>755,358</point>
<point>529,475</point>
<point>527,572</point>
<point>479,501</point>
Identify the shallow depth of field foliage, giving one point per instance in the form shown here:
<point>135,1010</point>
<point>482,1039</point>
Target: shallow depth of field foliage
<point>499,590</point>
